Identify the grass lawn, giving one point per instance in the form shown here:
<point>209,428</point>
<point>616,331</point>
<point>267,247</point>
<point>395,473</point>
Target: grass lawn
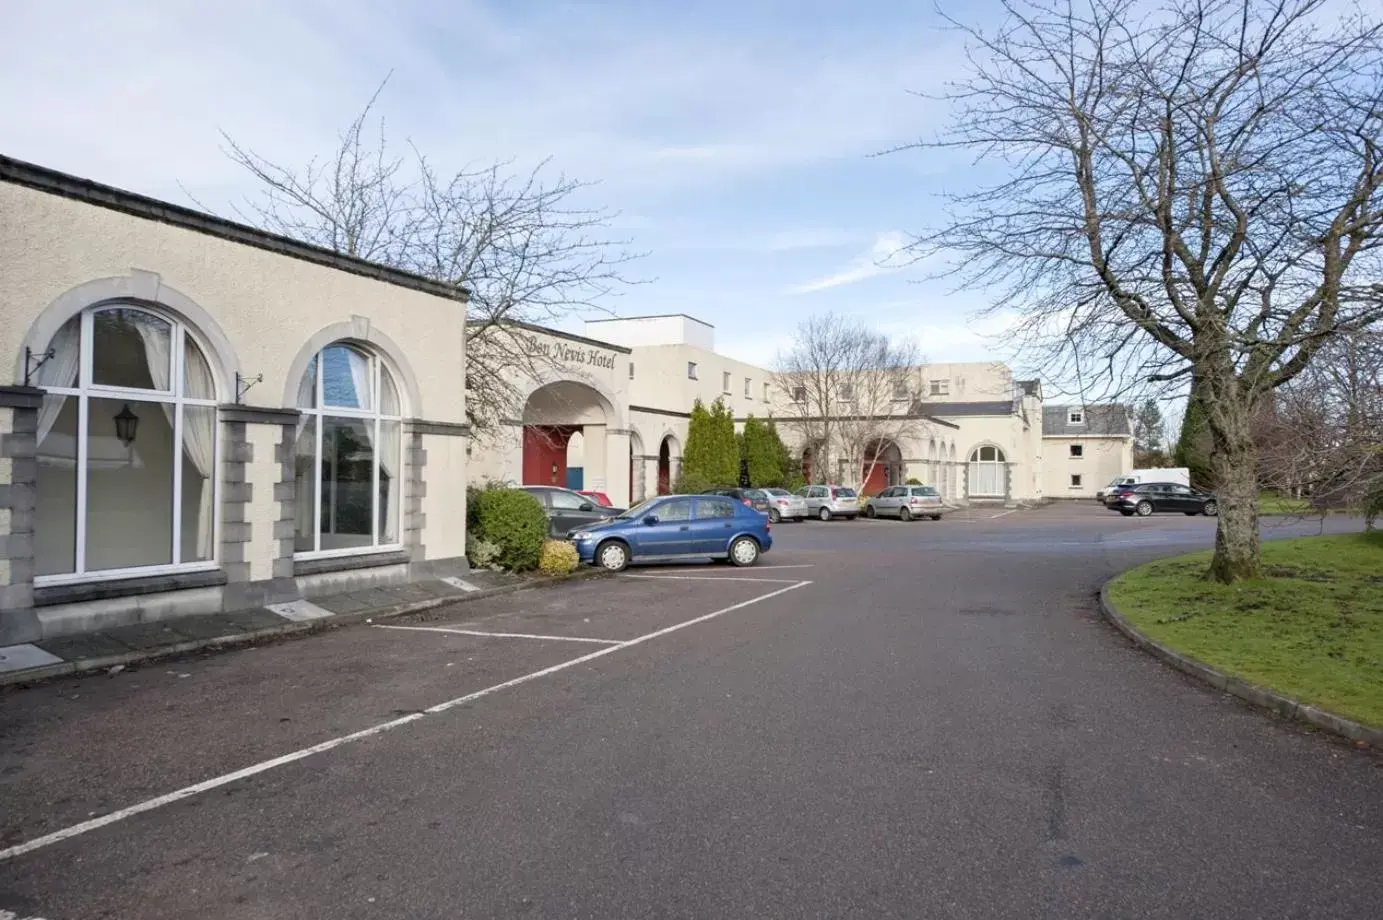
<point>1311,627</point>
<point>1272,503</point>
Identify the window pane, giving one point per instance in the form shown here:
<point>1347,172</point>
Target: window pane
<point>198,482</point>
<point>196,373</point>
<point>675,511</point>
<point>305,485</point>
<point>390,480</point>
<point>55,511</point>
<point>388,394</point>
<point>710,509</point>
<point>129,489</point>
<point>307,388</point>
<point>131,348</point>
<point>346,378</point>
<point>348,463</point>
<point>567,501</point>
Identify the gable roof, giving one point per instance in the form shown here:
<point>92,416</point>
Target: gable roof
<point>1099,420</point>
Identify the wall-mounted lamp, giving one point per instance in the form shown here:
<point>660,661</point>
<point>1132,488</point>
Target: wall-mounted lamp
<point>126,425</point>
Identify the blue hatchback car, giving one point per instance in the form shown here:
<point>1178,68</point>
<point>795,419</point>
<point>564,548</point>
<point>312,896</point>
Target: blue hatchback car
<point>675,528</point>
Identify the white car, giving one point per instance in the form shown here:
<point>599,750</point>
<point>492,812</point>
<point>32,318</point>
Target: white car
<point>905,503</point>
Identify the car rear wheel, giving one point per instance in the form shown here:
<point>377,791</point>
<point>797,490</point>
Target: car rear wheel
<point>744,551</point>
<point>613,556</point>
<point>904,514</point>
<point>870,511</point>
<point>1144,508</point>
<point>1211,509</point>
<point>934,517</point>
<point>824,514</point>
<point>773,516</point>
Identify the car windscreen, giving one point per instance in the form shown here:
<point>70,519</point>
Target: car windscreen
<point>843,492</point>
<point>639,509</point>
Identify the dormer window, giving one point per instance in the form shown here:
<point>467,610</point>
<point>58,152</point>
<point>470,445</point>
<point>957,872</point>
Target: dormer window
<point>1076,417</point>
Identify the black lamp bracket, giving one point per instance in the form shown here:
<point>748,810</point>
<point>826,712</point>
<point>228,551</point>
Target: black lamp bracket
<point>243,384</point>
<point>33,362</point>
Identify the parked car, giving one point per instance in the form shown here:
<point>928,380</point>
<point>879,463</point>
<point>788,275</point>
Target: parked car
<point>827,502</point>
<point>567,509</point>
<point>1177,474</point>
<point>905,503</point>
<point>676,527</point>
<point>750,498</point>
<point>785,506</point>
<point>600,498</point>
<point>1145,498</point>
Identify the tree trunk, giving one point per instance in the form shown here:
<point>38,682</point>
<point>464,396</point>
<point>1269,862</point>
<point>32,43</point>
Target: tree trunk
<point>1234,457</point>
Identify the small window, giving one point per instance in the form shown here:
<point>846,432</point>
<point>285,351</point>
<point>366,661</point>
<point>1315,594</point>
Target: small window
<point>631,370</point>
<point>799,394</point>
<point>1076,417</point>
<point>847,391</point>
<point>691,370</point>
<point>679,510</point>
<point>1077,451</point>
<point>712,508</point>
<point>567,501</point>
<point>940,387</point>
<point>765,391</point>
<point>748,388</point>
<point>900,391</point>
<point>725,382</point>
<point>1075,481</point>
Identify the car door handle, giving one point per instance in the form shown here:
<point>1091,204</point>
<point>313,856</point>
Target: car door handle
<point>685,527</point>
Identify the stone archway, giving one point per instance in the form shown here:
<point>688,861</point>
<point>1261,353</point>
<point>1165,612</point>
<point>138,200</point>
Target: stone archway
<point>881,466</point>
<point>553,415</point>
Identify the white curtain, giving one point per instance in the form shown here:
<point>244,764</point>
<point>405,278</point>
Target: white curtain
<point>199,443</point>
<point>360,377</point>
<point>59,371</point>
<point>389,465</point>
<point>158,348</point>
<point>307,387</point>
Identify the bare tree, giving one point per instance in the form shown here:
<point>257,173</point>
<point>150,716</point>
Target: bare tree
<point>519,242</point>
<point>852,392</point>
<point>1190,192</point>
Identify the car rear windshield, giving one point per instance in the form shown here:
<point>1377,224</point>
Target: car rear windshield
<point>754,493</point>
<point>925,490</point>
<point>843,492</point>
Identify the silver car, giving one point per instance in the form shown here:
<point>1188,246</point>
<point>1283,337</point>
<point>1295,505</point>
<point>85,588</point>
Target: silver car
<point>827,502</point>
<point>906,503</point>
<point>784,505</point>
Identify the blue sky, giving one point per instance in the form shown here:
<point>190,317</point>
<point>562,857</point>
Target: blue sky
<point>734,139</point>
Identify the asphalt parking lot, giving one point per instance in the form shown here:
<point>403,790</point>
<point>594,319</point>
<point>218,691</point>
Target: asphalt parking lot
<point>881,719</point>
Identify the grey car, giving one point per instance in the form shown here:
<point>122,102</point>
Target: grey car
<point>567,510</point>
<point>828,501</point>
<point>906,503</point>
<point>785,506</point>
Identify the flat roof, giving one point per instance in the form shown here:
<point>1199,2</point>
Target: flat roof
<point>52,182</point>
<point>619,319</point>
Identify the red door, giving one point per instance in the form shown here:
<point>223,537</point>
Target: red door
<point>877,481</point>
<point>545,454</point>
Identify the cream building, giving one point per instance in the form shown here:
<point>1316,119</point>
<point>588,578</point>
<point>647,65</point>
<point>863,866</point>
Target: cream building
<point>610,414</point>
<point>202,417</point>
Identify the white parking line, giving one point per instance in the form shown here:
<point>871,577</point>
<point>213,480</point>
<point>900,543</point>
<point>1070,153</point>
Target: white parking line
<point>1002,513</point>
<point>768,581</point>
<point>186,792</point>
<point>501,635</point>
<point>805,565</point>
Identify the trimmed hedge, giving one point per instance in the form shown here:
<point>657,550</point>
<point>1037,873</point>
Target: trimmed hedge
<point>514,521</point>
<point>558,558</point>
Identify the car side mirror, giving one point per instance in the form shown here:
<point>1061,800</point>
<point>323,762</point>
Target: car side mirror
<point>650,519</point>
<point>586,506</point>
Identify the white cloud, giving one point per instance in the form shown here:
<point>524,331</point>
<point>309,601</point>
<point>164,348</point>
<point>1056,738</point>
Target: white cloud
<point>883,257</point>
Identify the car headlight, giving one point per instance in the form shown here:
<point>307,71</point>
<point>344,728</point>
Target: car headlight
<point>581,535</point>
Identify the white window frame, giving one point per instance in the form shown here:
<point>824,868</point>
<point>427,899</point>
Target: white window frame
<point>1076,480</point>
<point>1075,451</point>
<point>766,391</point>
<point>901,392</point>
<point>320,411</point>
<point>1075,417</point>
<point>748,388</point>
<point>725,378</point>
<point>84,392</point>
<point>691,371</point>
<point>940,388</point>
<point>799,395</point>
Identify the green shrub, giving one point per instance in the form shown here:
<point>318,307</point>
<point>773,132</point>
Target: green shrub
<point>692,483</point>
<point>514,521</point>
<point>558,558</point>
<point>914,481</point>
<point>481,553</point>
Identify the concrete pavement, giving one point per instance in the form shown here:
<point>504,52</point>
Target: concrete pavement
<point>939,724</point>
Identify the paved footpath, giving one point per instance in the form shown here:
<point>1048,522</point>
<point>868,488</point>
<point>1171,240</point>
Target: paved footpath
<point>924,720</point>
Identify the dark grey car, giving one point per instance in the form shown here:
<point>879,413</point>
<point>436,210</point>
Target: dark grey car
<point>567,510</point>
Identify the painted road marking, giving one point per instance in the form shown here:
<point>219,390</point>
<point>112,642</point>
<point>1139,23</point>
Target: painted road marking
<point>23,657</point>
<point>804,565</point>
<point>298,610</point>
<point>216,782</point>
<point>460,583</point>
<point>1002,513</point>
<point>10,915</point>
<point>769,581</point>
<point>501,635</point>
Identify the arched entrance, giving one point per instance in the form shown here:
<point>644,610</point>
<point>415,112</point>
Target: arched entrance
<point>564,427</point>
<point>881,466</point>
<point>667,450</point>
<point>987,472</point>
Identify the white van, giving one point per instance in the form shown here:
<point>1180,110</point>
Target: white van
<point>1177,474</point>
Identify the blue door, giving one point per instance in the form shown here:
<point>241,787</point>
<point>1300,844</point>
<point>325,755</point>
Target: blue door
<point>576,477</point>
<point>713,523</point>
<point>671,536</point>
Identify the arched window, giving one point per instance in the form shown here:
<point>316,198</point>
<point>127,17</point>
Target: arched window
<point>987,471</point>
<point>126,448</point>
<point>349,458</point>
